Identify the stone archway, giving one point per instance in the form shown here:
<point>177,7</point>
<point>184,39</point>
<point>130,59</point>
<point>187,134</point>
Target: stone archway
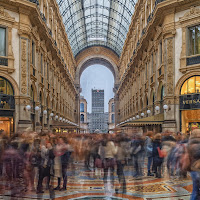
<point>97,55</point>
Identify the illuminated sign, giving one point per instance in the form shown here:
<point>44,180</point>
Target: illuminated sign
<point>189,102</point>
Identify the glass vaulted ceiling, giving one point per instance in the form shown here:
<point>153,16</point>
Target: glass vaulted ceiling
<point>96,22</point>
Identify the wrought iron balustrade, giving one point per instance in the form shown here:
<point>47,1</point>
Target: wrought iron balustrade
<point>43,17</point>
<point>3,61</point>
<point>50,32</point>
<point>149,18</point>
<point>193,60</point>
<point>34,1</point>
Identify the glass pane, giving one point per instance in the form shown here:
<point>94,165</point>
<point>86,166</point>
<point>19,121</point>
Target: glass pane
<point>198,39</point>
<point>191,85</point>
<point>191,40</point>
<point>2,86</point>
<point>2,41</point>
<point>32,93</point>
<point>9,89</point>
<point>184,88</point>
<point>5,87</point>
<point>162,93</point>
<point>102,22</point>
<point>82,107</point>
<point>33,53</point>
<point>197,84</point>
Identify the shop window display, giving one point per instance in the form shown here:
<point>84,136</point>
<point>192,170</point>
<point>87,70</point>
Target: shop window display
<point>190,104</point>
<point>192,85</point>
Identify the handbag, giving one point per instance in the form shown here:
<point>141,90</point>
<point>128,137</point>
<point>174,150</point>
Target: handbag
<point>161,153</point>
<point>98,163</point>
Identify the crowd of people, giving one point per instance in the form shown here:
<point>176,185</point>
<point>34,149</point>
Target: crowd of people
<point>31,161</point>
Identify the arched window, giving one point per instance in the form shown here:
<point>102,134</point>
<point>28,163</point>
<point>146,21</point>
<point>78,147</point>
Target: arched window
<point>82,107</point>
<point>161,99</point>
<point>41,98</point>
<point>32,93</point>
<point>162,93</point>
<point>113,118</point>
<point>6,87</point>
<point>191,85</point>
<point>82,117</point>
<point>113,107</point>
<point>7,100</point>
<point>153,101</point>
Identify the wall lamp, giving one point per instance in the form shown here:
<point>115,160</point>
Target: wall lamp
<point>45,112</point>
<point>37,108</point>
<point>166,107</point>
<point>28,107</point>
<point>148,111</point>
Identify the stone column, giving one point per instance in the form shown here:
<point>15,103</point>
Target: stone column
<point>24,115</point>
<point>169,115</point>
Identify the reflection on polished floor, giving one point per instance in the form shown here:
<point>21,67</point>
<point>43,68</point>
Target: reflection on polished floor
<point>85,185</point>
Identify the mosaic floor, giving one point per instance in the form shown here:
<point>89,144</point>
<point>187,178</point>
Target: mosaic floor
<point>85,185</point>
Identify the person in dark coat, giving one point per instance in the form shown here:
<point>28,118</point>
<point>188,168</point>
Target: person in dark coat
<point>14,166</point>
<point>194,155</point>
<point>157,161</point>
<point>138,154</point>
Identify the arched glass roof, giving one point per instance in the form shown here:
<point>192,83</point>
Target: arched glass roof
<point>96,22</point>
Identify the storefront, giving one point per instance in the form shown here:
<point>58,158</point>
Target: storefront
<point>190,104</point>
<point>7,106</point>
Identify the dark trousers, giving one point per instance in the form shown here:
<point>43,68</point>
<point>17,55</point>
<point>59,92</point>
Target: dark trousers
<point>43,172</point>
<point>121,177</point>
<point>150,159</point>
<point>64,174</point>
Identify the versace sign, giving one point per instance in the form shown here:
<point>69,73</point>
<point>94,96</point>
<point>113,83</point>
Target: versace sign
<point>189,102</point>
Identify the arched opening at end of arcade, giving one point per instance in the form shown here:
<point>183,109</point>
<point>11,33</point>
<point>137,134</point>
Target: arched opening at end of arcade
<point>97,100</point>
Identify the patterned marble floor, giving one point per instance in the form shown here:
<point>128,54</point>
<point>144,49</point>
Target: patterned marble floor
<point>85,185</point>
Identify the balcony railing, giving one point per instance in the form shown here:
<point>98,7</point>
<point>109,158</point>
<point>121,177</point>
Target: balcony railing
<point>34,1</point>
<point>193,60</point>
<point>4,61</point>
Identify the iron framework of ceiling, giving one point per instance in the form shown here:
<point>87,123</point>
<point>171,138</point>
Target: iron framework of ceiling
<point>96,22</point>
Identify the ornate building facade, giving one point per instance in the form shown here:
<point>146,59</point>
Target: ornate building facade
<point>156,76</point>
<point>37,68</point>
<point>111,115</point>
<point>160,66</point>
<point>83,116</point>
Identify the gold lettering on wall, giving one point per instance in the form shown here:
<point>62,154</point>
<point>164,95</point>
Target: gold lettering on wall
<point>170,70</point>
<point>23,66</point>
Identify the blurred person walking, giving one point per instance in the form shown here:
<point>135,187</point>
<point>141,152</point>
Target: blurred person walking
<point>149,151</point>
<point>157,159</point>
<point>194,158</point>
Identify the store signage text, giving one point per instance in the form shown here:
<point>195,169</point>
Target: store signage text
<point>189,102</point>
